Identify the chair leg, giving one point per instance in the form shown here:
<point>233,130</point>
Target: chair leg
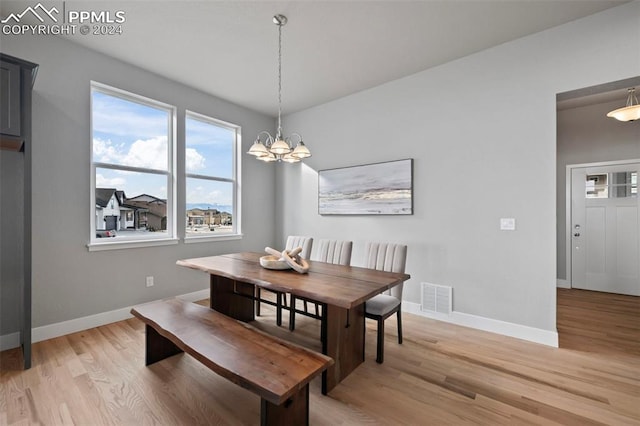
<point>292,313</point>
<point>399,328</point>
<point>279,309</point>
<point>380,349</point>
<point>257,301</point>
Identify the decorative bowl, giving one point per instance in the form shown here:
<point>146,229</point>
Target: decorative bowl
<point>273,262</point>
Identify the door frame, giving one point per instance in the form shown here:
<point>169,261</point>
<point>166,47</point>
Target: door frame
<point>568,212</point>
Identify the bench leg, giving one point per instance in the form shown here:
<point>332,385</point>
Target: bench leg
<point>158,347</point>
<point>295,411</point>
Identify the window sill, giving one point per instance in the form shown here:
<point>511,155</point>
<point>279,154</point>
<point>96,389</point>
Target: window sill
<point>119,245</point>
<point>210,238</point>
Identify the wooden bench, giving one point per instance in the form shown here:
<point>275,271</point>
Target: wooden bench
<point>276,370</point>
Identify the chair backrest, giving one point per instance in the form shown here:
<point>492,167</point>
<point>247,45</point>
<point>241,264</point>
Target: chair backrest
<point>294,241</point>
<point>333,251</point>
<point>387,257</point>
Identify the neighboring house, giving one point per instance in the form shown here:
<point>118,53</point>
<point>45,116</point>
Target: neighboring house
<point>107,209</point>
<point>155,211</point>
<point>113,211</point>
<point>208,217</point>
<point>127,213</point>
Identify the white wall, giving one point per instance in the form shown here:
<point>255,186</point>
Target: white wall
<point>69,282</point>
<point>587,135</point>
<point>482,132</point>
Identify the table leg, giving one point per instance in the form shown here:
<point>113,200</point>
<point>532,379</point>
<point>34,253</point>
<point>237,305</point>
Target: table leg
<point>232,298</point>
<point>343,340</point>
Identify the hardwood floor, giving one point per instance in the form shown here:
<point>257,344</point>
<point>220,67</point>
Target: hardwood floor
<point>595,322</point>
<point>441,374</point>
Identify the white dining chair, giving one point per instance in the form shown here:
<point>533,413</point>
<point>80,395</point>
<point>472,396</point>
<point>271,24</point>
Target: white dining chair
<point>391,258</point>
<point>330,251</point>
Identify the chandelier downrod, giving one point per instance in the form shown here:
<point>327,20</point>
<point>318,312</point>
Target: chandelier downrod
<point>280,21</point>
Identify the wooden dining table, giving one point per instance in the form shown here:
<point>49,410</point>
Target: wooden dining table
<point>341,291</point>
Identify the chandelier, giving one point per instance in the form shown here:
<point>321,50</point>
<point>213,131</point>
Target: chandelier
<point>629,112</point>
<point>279,148</point>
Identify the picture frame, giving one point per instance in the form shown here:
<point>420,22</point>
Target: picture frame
<point>384,188</point>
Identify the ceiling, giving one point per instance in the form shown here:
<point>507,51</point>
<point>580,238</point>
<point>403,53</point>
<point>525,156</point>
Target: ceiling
<point>330,48</point>
<point>614,91</point>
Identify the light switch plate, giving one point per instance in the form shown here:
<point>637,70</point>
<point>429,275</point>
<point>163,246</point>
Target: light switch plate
<point>507,224</point>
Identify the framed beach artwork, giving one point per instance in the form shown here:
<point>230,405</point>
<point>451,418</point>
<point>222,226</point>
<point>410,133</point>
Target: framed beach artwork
<point>370,189</point>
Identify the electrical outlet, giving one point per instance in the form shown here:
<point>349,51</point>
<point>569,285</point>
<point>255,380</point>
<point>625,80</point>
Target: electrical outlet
<point>149,281</point>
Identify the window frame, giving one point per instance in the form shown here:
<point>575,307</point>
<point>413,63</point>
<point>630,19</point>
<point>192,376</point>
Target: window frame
<point>234,180</point>
<point>96,244</point>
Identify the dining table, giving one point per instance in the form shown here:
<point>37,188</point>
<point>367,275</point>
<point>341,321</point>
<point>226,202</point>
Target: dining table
<point>341,291</point>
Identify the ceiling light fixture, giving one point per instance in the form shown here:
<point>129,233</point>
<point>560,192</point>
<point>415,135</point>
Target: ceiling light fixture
<point>279,148</point>
<point>629,112</point>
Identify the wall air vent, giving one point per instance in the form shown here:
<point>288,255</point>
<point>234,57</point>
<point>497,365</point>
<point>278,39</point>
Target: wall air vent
<point>436,298</point>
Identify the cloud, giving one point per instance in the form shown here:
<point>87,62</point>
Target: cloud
<point>150,153</point>
<point>106,151</point>
<point>194,160</point>
<point>103,182</point>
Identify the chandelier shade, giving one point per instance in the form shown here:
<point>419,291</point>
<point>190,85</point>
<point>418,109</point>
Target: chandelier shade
<point>279,148</point>
<point>630,112</point>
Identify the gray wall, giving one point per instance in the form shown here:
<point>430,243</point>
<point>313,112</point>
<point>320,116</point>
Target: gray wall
<point>586,135</point>
<point>69,281</point>
<point>482,132</point>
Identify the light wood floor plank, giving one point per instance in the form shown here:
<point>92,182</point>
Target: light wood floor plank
<point>442,374</point>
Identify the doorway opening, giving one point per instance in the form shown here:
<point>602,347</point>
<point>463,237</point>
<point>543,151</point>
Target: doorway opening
<point>587,138</point>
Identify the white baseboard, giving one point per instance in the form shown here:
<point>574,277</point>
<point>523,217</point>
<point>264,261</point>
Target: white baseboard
<point>51,331</point>
<point>562,283</point>
<point>78,324</point>
<point>545,337</point>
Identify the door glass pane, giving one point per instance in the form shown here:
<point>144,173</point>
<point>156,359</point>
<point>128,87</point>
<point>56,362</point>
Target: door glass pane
<point>612,185</point>
<point>596,186</point>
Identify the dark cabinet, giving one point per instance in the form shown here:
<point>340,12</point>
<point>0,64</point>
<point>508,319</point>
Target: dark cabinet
<point>16,82</point>
<point>10,101</point>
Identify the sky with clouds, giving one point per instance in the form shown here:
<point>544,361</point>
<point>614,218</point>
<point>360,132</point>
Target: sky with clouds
<point>132,134</point>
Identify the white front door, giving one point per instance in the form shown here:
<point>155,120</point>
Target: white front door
<point>605,228</point>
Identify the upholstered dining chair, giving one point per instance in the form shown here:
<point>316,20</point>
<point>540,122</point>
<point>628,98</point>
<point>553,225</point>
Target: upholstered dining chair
<point>330,251</point>
<point>391,258</point>
<point>293,241</point>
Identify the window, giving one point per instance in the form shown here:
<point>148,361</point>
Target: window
<point>211,166</point>
<point>612,185</point>
<point>133,173</point>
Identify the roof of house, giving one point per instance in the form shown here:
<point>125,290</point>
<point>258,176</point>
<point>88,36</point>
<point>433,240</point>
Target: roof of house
<point>103,195</point>
<point>147,199</point>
